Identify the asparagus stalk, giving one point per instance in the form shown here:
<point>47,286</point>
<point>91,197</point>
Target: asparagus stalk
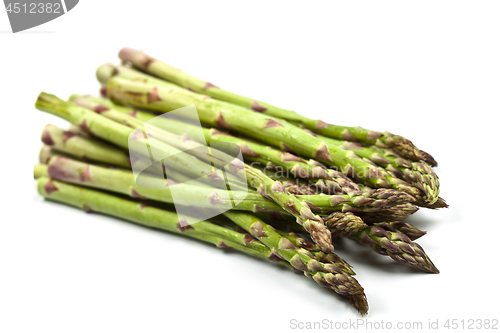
<point>84,148</point>
<point>123,182</point>
<point>256,152</point>
<point>162,70</point>
<point>329,276</point>
<point>396,245</point>
<point>46,154</point>
<point>224,115</point>
<point>99,202</point>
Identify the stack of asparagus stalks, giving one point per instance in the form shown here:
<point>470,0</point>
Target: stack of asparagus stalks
<point>302,183</point>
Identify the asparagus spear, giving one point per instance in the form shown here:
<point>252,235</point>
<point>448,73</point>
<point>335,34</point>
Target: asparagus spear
<point>84,148</point>
<point>46,154</point>
<point>329,276</point>
<point>396,245</point>
<point>123,182</point>
<point>162,70</point>
<point>261,127</point>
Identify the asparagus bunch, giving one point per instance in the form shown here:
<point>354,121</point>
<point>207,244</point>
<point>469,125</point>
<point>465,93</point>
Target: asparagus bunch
<point>119,181</point>
<point>302,183</point>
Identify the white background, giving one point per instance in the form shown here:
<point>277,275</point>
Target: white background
<point>429,70</point>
